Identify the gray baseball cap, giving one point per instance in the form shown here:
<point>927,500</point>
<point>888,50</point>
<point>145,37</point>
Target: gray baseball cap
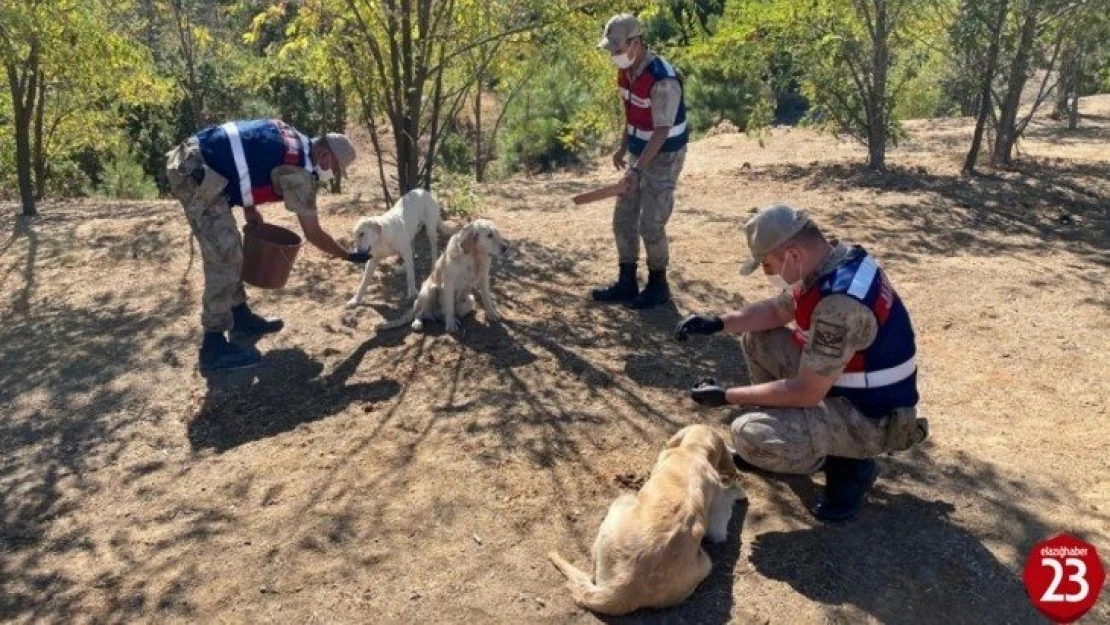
<point>618,29</point>
<point>341,148</point>
<point>769,228</point>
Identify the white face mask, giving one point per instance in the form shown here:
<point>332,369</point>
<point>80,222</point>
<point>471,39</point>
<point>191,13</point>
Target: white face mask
<point>622,61</point>
<point>779,282</point>
<point>324,174</point>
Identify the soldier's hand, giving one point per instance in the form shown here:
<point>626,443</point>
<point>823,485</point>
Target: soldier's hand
<point>708,393</point>
<point>254,218</point>
<point>618,158</point>
<point>632,176</point>
<point>625,185</point>
<point>698,324</point>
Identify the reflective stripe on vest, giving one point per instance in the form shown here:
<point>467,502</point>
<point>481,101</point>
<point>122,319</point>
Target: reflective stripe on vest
<point>240,157</point>
<point>876,379</point>
<point>675,131</point>
<point>294,145</point>
<point>636,97</point>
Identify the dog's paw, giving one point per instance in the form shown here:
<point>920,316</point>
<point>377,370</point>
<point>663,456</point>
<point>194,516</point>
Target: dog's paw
<point>452,325</point>
<point>353,302</point>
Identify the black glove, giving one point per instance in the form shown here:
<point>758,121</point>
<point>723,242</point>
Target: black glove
<point>698,324</point>
<point>707,393</point>
<point>358,257</point>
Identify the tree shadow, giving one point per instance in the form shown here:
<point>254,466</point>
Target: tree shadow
<point>897,562</point>
<point>908,553</point>
<point>287,390</point>
<point>544,388</point>
<point>324,283</point>
<point>1057,132</point>
<point>24,228</point>
<point>999,212</point>
<point>59,365</point>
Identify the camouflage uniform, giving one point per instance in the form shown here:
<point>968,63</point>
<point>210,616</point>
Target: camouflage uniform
<point>209,215</point>
<point>644,212</point>
<point>796,440</point>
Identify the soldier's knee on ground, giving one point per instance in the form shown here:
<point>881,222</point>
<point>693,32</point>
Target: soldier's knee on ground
<point>751,434</point>
<point>778,445</point>
<point>905,429</point>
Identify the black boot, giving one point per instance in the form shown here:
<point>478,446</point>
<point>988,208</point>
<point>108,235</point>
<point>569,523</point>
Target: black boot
<point>246,323</point>
<point>624,289</point>
<point>219,354</point>
<point>847,481</point>
<point>656,293</point>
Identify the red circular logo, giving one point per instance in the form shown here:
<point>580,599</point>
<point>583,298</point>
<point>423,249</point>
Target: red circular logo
<point>1063,577</point>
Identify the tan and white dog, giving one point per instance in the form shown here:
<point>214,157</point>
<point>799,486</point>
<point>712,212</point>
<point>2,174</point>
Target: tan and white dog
<point>648,552</point>
<point>392,234</point>
<point>448,293</point>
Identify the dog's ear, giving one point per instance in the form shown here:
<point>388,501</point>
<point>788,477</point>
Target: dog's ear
<point>368,224</point>
<point>725,466</point>
<point>676,440</point>
<point>470,239</point>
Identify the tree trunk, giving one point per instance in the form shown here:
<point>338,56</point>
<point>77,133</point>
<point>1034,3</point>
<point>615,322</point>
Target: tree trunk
<point>408,152</point>
<point>24,96</point>
<point>337,121</point>
<point>479,158</point>
<point>433,123</point>
<point>38,154</point>
<point>1063,87</point>
<point>150,33</point>
<point>191,83</point>
<point>23,160</point>
<point>986,103</point>
<point>1073,112</point>
<point>1007,132</point>
<point>877,106</point>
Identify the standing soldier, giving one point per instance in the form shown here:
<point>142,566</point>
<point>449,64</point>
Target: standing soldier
<point>656,136</point>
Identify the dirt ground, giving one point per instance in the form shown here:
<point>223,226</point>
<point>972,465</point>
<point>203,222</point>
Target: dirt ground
<point>400,477</point>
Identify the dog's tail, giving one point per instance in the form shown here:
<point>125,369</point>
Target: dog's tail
<point>402,320</point>
<point>587,594</point>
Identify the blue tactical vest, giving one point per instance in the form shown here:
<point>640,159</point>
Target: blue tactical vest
<point>245,152</point>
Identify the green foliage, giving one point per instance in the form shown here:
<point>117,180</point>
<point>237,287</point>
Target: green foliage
<point>123,177</point>
<point>455,154</point>
<point>567,108</point>
<point>456,194</point>
<point>727,79</point>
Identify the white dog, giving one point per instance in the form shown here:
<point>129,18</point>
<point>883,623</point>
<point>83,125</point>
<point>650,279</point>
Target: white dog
<point>392,234</point>
<point>463,268</point>
<point>648,552</point>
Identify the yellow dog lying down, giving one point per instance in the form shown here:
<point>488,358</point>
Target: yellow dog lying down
<point>648,552</point>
